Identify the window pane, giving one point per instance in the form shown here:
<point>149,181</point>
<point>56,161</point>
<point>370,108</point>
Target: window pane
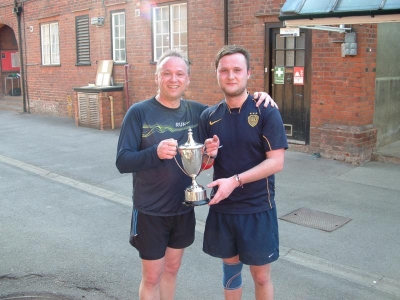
<point>280,61</point>
<point>183,25</point>
<point>280,42</point>
<point>165,27</point>
<point>165,40</point>
<point>301,41</point>
<point>165,13</point>
<point>175,26</point>
<point>184,39</point>
<point>290,58</point>
<point>300,54</point>
<point>290,42</point>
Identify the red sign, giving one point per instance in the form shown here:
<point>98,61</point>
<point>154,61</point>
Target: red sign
<point>298,76</point>
<point>9,61</point>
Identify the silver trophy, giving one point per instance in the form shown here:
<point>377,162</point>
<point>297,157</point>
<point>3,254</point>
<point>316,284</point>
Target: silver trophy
<point>192,158</point>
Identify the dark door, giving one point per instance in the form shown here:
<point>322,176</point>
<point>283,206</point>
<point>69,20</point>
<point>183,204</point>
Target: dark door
<point>288,80</point>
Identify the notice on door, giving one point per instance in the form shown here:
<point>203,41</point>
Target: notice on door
<point>298,78</point>
<point>279,75</point>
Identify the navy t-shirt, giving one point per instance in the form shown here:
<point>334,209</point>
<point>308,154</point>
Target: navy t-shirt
<point>246,134</point>
<point>159,184</point>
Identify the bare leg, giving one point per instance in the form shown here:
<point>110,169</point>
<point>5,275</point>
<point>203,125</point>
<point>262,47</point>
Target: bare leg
<point>173,259</point>
<point>152,271</point>
<point>262,282</point>
<point>233,294</point>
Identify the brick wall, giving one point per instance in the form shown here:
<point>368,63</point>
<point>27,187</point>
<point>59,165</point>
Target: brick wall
<point>343,96</point>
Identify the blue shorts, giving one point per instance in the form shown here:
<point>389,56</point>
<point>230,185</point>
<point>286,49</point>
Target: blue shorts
<point>151,235</point>
<point>254,237</point>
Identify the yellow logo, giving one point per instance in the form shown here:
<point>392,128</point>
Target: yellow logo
<point>253,119</point>
<point>213,122</point>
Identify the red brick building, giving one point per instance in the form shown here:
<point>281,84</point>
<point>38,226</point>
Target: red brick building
<point>340,105</point>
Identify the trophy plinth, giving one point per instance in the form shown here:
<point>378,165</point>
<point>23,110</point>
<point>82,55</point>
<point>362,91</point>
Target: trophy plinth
<point>192,158</point>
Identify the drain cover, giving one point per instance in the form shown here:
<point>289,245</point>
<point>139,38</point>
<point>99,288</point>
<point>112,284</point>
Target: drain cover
<point>34,296</point>
<point>315,219</point>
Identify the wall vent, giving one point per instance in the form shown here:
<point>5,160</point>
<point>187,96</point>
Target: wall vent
<point>88,107</point>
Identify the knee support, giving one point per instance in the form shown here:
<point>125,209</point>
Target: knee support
<point>232,278</point>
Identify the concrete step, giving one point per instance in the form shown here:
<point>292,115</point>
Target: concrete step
<point>389,153</point>
<point>387,158</point>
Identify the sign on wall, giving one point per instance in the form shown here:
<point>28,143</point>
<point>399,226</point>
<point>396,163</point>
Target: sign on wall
<point>10,61</point>
<point>298,78</point>
<point>279,75</point>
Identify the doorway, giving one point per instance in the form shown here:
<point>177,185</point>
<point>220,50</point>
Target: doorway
<point>288,74</point>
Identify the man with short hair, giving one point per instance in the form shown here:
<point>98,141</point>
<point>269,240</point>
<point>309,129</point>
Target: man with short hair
<point>242,226</point>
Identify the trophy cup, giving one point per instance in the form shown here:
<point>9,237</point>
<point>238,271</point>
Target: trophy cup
<point>192,158</point>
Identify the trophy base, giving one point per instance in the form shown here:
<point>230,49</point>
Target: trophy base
<point>195,195</point>
<point>196,203</point>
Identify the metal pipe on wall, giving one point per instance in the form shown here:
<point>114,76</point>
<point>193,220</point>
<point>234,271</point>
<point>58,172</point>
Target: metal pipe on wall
<point>18,11</point>
<point>226,28</point>
<point>126,87</point>
<point>112,110</point>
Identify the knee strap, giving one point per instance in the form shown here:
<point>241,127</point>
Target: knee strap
<point>232,279</point>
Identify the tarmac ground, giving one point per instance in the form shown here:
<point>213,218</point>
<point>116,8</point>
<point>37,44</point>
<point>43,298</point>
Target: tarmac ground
<point>339,224</point>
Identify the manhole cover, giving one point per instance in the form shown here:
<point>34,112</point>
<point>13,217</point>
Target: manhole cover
<point>35,296</point>
<point>315,219</point>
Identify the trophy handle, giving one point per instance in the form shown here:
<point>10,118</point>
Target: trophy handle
<point>201,170</point>
<point>181,167</point>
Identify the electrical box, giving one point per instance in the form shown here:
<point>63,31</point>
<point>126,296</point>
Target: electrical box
<point>98,21</point>
<point>349,47</point>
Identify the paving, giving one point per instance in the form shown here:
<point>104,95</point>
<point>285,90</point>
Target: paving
<point>357,257</point>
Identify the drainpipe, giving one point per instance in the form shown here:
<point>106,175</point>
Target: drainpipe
<point>126,87</point>
<point>112,110</point>
<point>226,34</point>
<point>18,10</point>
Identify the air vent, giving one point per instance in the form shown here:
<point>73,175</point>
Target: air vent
<point>89,110</point>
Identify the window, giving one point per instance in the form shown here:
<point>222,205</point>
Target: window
<point>169,28</point>
<point>118,37</point>
<point>82,40</point>
<point>50,44</point>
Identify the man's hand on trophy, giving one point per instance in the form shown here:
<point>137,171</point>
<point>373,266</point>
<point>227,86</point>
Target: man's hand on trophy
<point>167,149</point>
<point>263,96</point>
<point>211,147</point>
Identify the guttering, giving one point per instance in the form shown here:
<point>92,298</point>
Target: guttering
<point>364,13</point>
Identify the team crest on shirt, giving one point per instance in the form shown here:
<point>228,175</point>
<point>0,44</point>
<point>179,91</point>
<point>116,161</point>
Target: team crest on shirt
<point>253,119</point>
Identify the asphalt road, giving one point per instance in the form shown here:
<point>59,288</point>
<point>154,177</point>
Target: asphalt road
<point>65,215</point>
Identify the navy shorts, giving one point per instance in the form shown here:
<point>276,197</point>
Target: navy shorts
<point>151,235</point>
<point>254,237</point>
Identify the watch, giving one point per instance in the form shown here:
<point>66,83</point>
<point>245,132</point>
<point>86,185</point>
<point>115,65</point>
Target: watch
<point>237,178</point>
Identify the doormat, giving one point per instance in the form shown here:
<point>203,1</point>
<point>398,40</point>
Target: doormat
<point>315,219</point>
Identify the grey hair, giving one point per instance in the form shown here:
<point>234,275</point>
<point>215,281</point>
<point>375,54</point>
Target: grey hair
<point>172,53</point>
